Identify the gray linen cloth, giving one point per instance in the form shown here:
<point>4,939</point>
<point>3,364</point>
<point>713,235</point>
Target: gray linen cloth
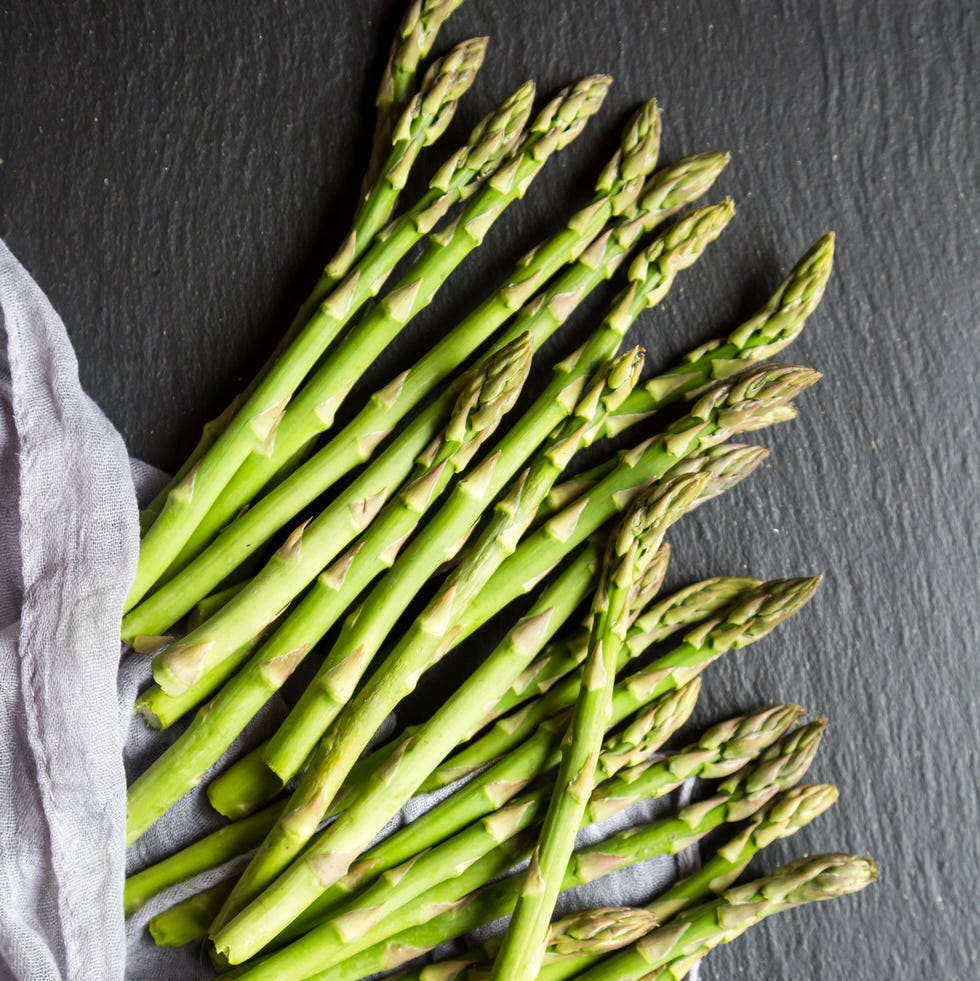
<point>68,739</point>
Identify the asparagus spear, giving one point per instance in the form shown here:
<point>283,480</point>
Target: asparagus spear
<point>750,618</point>
<point>722,412</point>
<point>631,547</point>
<point>312,410</point>
<point>726,747</point>
<point>338,936</point>
<point>651,276</point>
<point>249,782</point>
<point>416,34</point>
<point>491,790</point>
<point>420,121</point>
<point>727,462</point>
<point>496,843</point>
<point>594,931</point>
<point>452,908</point>
<point>255,422</point>
<point>762,336</point>
<point>587,933</point>
<point>782,817</point>
<point>357,442</point>
<point>691,933</point>
<point>659,621</point>
<point>287,751</point>
<point>555,604</point>
<point>209,853</point>
<point>188,920</point>
<point>486,396</point>
<point>429,637</point>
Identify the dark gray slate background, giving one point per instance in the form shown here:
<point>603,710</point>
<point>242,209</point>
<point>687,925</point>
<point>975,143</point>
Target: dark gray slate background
<point>173,175</point>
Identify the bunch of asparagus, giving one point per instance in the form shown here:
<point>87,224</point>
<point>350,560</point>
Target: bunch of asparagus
<point>380,548</point>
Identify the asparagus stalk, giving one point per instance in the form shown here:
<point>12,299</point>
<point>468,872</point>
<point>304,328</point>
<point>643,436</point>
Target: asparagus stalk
<point>652,724</point>
<point>249,782</point>
<point>449,910</point>
<point>685,607</point>
<point>429,637</point>
<point>761,337</point>
<point>780,818</point>
<point>588,934</point>
<point>418,32</point>
<point>697,931</point>
<point>631,548</point>
<point>188,920</point>
<point>209,853</point>
<point>357,442</point>
<point>750,618</point>
<point>296,738</point>
<point>256,421</point>
<point>555,604</point>
<point>486,396</point>
<point>721,751</point>
<point>722,412</point>
<point>179,666</point>
<point>594,931</point>
<point>420,122</point>
<point>729,463</point>
<point>785,815</point>
<point>337,937</point>
<point>490,790</point>
<point>726,747</point>
<point>312,410</point>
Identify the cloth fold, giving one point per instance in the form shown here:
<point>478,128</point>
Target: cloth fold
<point>69,539</point>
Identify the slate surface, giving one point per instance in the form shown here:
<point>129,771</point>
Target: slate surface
<point>172,174</point>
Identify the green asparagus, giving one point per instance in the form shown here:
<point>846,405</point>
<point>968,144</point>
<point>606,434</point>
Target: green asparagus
<point>429,637</point>
<point>290,747</point>
<point>250,783</point>
<point>632,546</point>
<point>780,818</point>
<point>340,935</point>
<point>416,34</point>
<point>655,622</point>
<point>616,192</point>
<point>806,880</point>
<point>750,618</point>
<point>256,421</point>
<point>448,909</point>
<point>313,408</point>
<point>486,397</point>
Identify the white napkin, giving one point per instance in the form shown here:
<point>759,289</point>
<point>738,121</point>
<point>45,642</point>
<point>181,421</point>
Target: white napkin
<point>68,545</point>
